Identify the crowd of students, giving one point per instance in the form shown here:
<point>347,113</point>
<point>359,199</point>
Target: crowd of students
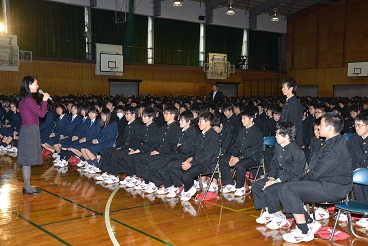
<point>162,144</point>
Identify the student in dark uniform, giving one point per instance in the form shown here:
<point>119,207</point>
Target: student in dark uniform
<point>171,174</point>
<point>328,179</point>
<point>316,141</point>
<point>307,132</point>
<point>129,141</point>
<point>242,155</point>
<point>149,164</point>
<point>288,163</point>
<point>205,157</point>
<point>148,141</point>
<point>293,109</point>
<point>216,95</point>
<point>354,110</point>
<point>230,117</point>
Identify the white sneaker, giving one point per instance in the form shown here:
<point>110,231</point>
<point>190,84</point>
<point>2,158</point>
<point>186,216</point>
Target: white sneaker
<point>141,186</point>
<point>240,192</point>
<point>343,217</point>
<point>213,187</point>
<point>174,191</point>
<point>164,190</point>
<point>363,222</point>
<point>314,227</point>
<point>13,150</point>
<point>126,180</point>
<point>151,187</point>
<point>187,195</point>
<point>196,184</point>
<point>63,163</point>
<point>111,180</point>
<point>229,196</point>
<point>94,170</point>
<point>189,208</point>
<point>278,221</point>
<point>228,188</point>
<point>296,236</point>
<point>133,182</point>
<point>103,176</point>
<point>321,214</point>
<point>55,155</point>
<point>8,147</point>
<point>81,163</point>
<point>265,217</point>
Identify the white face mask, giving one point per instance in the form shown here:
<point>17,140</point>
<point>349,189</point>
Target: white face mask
<point>120,115</point>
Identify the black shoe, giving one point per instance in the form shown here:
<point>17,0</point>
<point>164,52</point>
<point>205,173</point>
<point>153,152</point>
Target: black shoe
<point>38,191</point>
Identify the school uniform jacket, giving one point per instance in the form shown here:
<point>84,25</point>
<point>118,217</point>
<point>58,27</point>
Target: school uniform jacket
<point>293,111</point>
<point>358,148</point>
<point>186,145</point>
<point>248,144</point>
<point>168,138</point>
<point>288,162</point>
<point>148,137</point>
<point>227,138</point>
<point>93,130</point>
<point>72,127</point>
<point>208,149</point>
<point>61,125</point>
<point>47,125</point>
<point>332,164</point>
<point>107,136</point>
<point>83,127</point>
<point>234,121</point>
<point>130,139</point>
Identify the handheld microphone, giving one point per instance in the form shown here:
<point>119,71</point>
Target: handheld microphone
<point>41,92</point>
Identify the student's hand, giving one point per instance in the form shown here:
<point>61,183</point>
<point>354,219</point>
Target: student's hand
<point>155,152</point>
<point>132,152</point>
<point>189,159</point>
<point>233,161</point>
<point>95,141</point>
<point>52,135</point>
<point>268,183</point>
<point>82,140</point>
<point>185,165</point>
<point>74,138</point>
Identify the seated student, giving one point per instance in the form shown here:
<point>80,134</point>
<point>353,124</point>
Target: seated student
<point>171,174</point>
<point>204,159</point>
<point>47,123</point>
<point>328,179</point>
<point>124,144</point>
<point>106,139</point>
<point>71,129</point>
<point>62,123</point>
<point>354,110</point>
<point>307,131</point>
<point>149,164</point>
<point>358,147</point>
<point>148,138</point>
<point>196,112</point>
<point>121,120</point>
<point>316,141</point>
<point>320,110</point>
<point>91,132</point>
<point>242,155</point>
<point>230,117</point>
<point>11,129</point>
<point>288,163</point>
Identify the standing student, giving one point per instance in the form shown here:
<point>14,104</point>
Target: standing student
<point>29,147</point>
<point>293,109</point>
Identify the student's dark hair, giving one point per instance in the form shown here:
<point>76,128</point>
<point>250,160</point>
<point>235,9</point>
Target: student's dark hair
<point>208,116</point>
<point>85,107</point>
<point>132,110</point>
<point>227,106</point>
<point>238,105</point>
<point>213,106</point>
<point>24,87</point>
<point>150,112</point>
<point>317,122</point>
<point>337,108</point>
<point>248,112</point>
<point>183,105</point>
<point>322,107</point>
<point>106,112</point>
<point>355,108</point>
<point>195,108</point>
<point>290,82</point>
<point>305,109</point>
<point>93,110</point>
<point>362,117</point>
<point>119,107</point>
<point>158,108</point>
<point>215,85</point>
<point>144,105</point>
<point>62,106</point>
<point>335,120</point>
<point>187,116</point>
<point>112,102</point>
<point>287,128</point>
<point>78,108</point>
<point>171,109</point>
<point>217,121</point>
<point>277,109</point>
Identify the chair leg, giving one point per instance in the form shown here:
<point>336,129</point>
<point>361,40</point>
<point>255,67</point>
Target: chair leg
<point>334,228</point>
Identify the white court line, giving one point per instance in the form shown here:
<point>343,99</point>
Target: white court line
<point>110,231</point>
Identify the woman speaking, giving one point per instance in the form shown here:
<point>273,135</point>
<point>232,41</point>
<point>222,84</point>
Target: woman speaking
<point>29,145</point>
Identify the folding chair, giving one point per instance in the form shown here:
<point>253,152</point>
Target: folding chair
<point>215,170</point>
<point>348,135</point>
<point>360,176</point>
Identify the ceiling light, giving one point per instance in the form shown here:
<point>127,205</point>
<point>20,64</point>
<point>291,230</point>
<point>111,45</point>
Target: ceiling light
<point>230,10</point>
<point>178,3</point>
<point>275,17</point>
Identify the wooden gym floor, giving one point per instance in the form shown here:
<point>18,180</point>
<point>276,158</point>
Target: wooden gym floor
<point>71,211</point>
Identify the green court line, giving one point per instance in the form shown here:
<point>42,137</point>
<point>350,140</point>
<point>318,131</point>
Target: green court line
<point>80,205</point>
<point>142,232</point>
<point>140,206</point>
<point>42,229</point>
<point>61,221</point>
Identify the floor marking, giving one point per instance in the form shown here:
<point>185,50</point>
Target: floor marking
<point>42,229</point>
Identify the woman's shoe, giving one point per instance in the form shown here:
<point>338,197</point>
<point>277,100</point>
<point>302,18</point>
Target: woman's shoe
<point>38,191</point>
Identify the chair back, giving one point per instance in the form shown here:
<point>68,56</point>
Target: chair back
<point>348,135</point>
<point>269,141</point>
<point>360,176</point>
